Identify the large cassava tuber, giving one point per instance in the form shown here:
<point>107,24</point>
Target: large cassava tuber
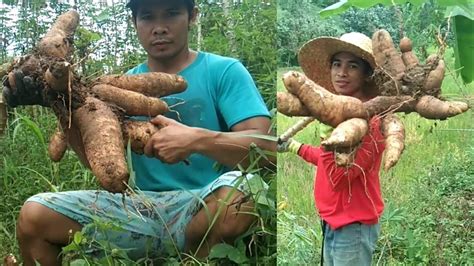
<point>394,133</point>
<point>57,145</point>
<point>404,85</point>
<point>136,103</point>
<point>347,134</point>
<point>325,106</point>
<point>103,143</point>
<point>94,112</point>
<point>151,84</point>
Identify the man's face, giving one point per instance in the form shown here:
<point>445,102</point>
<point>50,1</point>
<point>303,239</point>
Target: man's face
<point>162,28</point>
<point>348,74</point>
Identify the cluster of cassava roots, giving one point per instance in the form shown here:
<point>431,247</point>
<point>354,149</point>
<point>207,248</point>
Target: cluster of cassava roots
<point>97,110</point>
<point>404,85</point>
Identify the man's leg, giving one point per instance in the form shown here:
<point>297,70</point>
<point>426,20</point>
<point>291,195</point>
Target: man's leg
<point>41,232</point>
<point>232,221</point>
<point>352,244</point>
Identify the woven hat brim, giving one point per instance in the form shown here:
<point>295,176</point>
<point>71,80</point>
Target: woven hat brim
<point>315,56</point>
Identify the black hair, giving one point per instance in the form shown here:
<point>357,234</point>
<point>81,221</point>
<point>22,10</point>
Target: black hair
<point>134,4</point>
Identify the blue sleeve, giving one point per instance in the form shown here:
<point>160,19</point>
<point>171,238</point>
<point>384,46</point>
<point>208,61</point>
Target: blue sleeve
<point>238,98</point>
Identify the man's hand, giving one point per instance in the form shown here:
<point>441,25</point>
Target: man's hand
<point>21,89</point>
<point>289,145</point>
<point>173,143</point>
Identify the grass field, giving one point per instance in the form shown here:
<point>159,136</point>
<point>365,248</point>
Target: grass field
<point>428,194</point>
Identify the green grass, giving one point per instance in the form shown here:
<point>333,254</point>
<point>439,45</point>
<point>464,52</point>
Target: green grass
<point>25,168</point>
<point>441,150</point>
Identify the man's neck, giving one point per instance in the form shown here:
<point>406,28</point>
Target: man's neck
<point>172,65</point>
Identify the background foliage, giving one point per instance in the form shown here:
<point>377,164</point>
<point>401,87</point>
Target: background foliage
<point>106,43</point>
<point>419,22</point>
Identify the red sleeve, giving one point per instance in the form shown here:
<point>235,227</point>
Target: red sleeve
<point>365,159</point>
<point>310,153</point>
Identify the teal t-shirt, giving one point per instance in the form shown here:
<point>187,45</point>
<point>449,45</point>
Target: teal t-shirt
<point>220,94</point>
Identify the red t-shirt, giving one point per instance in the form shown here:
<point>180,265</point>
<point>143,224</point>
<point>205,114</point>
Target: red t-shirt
<point>345,195</point>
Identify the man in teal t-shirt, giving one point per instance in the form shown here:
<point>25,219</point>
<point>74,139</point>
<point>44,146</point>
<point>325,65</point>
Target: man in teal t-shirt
<point>220,95</point>
<point>219,110</point>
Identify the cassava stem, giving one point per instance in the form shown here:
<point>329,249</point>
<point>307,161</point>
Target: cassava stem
<point>296,128</point>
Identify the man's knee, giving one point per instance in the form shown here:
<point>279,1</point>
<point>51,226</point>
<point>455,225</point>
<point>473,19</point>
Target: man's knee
<point>30,219</point>
<point>236,215</point>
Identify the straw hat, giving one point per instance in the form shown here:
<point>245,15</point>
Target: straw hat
<point>315,56</point>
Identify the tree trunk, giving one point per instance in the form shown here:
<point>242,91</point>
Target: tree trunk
<point>199,32</point>
<point>229,32</point>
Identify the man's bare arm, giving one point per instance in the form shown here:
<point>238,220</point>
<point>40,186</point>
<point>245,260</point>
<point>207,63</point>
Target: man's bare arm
<point>175,142</point>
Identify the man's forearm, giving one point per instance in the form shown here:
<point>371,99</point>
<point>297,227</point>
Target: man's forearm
<point>232,148</point>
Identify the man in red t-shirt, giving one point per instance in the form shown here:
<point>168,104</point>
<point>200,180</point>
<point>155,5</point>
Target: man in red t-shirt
<point>348,199</point>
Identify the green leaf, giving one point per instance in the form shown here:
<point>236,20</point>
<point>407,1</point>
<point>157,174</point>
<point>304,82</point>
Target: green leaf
<point>343,5</point>
<point>103,16</point>
<point>221,251</point>
<point>258,136</point>
<point>464,47</point>
<point>78,237</point>
<point>454,2</point>
<point>86,36</point>
<point>32,126</point>
<point>460,10</point>
<point>71,247</point>
<point>132,178</point>
<point>257,187</point>
<point>79,262</point>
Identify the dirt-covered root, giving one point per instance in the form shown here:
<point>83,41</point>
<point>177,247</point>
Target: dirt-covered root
<point>394,133</point>
<point>432,84</point>
<point>57,145</point>
<point>409,58</point>
<point>10,260</point>
<point>386,56</point>
<point>3,114</point>
<point>383,104</point>
<point>137,133</point>
<point>58,76</point>
<point>433,108</point>
<point>328,108</point>
<point>132,103</point>
<point>345,158</point>
<point>102,139</point>
<point>289,105</point>
<point>56,42</point>
<point>347,134</point>
<point>4,69</point>
<point>155,84</point>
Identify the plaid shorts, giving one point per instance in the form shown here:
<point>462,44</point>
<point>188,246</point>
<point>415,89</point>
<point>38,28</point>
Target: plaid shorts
<point>145,223</point>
